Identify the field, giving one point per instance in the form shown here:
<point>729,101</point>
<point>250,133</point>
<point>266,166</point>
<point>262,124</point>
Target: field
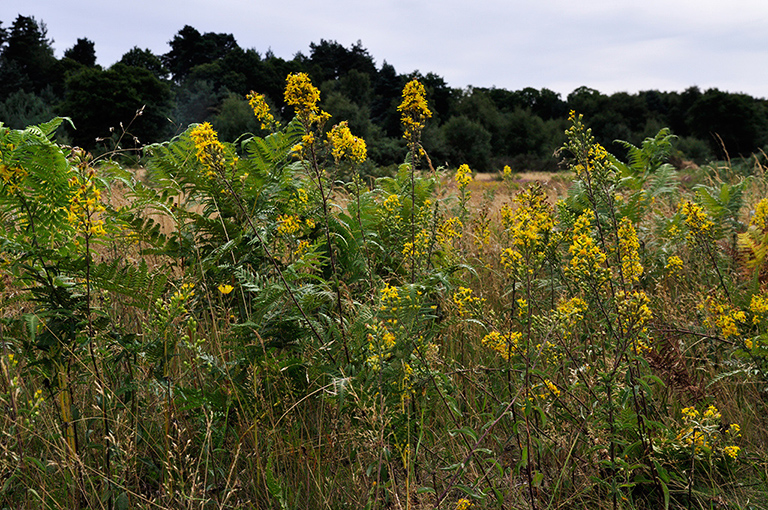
<point>236,326</point>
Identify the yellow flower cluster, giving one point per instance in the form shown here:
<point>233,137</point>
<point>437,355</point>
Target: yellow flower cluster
<point>463,504</point>
<point>210,151</point>
<point>465,301</point>
<point>414,111</point>
<point>380,342</point>
<point>553,389</point>
<point>390,298</point>
<point>703,432</point>
<point>463,176</point>
<point>512,260</point>
<point>507,171</point>
<point>449,230</point>
<point>532,220</point>
<point>302,248</point>
<point>640,347</point>
<point>419,247</point>
<point>529,225</point>
<point>503,345</point>
<point>12,177</point>
<point>633,309</point>
<point>482,232</point>
<point>85,204</point>
<point>588,261</point>
<point>759,219</point>
<point>303,96</point>
<point>696,219</point>
<point>628,251</point>
<point>261,109</point>
<point>758,305</point>
<point>723,317</point>
<point>344,145</point>
<point>392,205</point>
<point>288,224</point>
<point>569,314</point>
<point>674,265</point>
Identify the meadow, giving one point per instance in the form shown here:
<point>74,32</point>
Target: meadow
<point>255,325</point>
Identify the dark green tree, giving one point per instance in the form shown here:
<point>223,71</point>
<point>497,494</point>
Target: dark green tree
<point>732,124</point>
<point>145,59</point>
<point>468,142</point>
<point>387,88</point>
<point>21,109</point>
<point>190,48</point>
<point>83,52</point>
<point>196,101</point>
<point>99,102</point>
<point>27,61</point>
<point>329,60</point>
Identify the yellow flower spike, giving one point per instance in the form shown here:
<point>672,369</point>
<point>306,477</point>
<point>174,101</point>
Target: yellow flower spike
<point>674,265</point>
<point>463,504</point>
<point>210,151</point>
<point>629,246</point>
<point>732,451</point>
<point>261,110</point>
<point>225,289</point>
<point>696,219</point>
<point>344,145</point>
<point>303,96</point>
<point>463,176</point>
<point>413,111</point>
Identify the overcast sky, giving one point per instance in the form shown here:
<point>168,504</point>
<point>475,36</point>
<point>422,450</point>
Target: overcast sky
<point>608,45</point>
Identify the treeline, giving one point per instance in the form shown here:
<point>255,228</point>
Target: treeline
<point>205,77</point>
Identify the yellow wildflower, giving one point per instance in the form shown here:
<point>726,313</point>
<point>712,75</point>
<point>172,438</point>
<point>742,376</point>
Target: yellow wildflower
<point>588,259</point>
<point>463,176</point>
<point>225,289</point>
<point>210,151</point>
<point>464,300</point>
<point>628,251</point>
<point>261,109</point>
<point>288,224</point>
<point>674,265</point>
<point>503,345</point>
<point>413,111</point>
<point>696,219</point>
<point>303,96</point>
<point>463,504</point>
<point>345,145</point>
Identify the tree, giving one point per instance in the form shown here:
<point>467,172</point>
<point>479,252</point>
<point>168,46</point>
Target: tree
<point>468,142</point>
<point>145,59</point>
<point>83,52</point>
<point>329,60</point>
<point>734,123</point>
<point>387,88</point>
<point>99,101</point>
<point>22,109</point>
<point>27,60</point>
<point>3,37</point>
<point>190,48</point>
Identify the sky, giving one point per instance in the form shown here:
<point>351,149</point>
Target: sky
<point>608,45</point>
